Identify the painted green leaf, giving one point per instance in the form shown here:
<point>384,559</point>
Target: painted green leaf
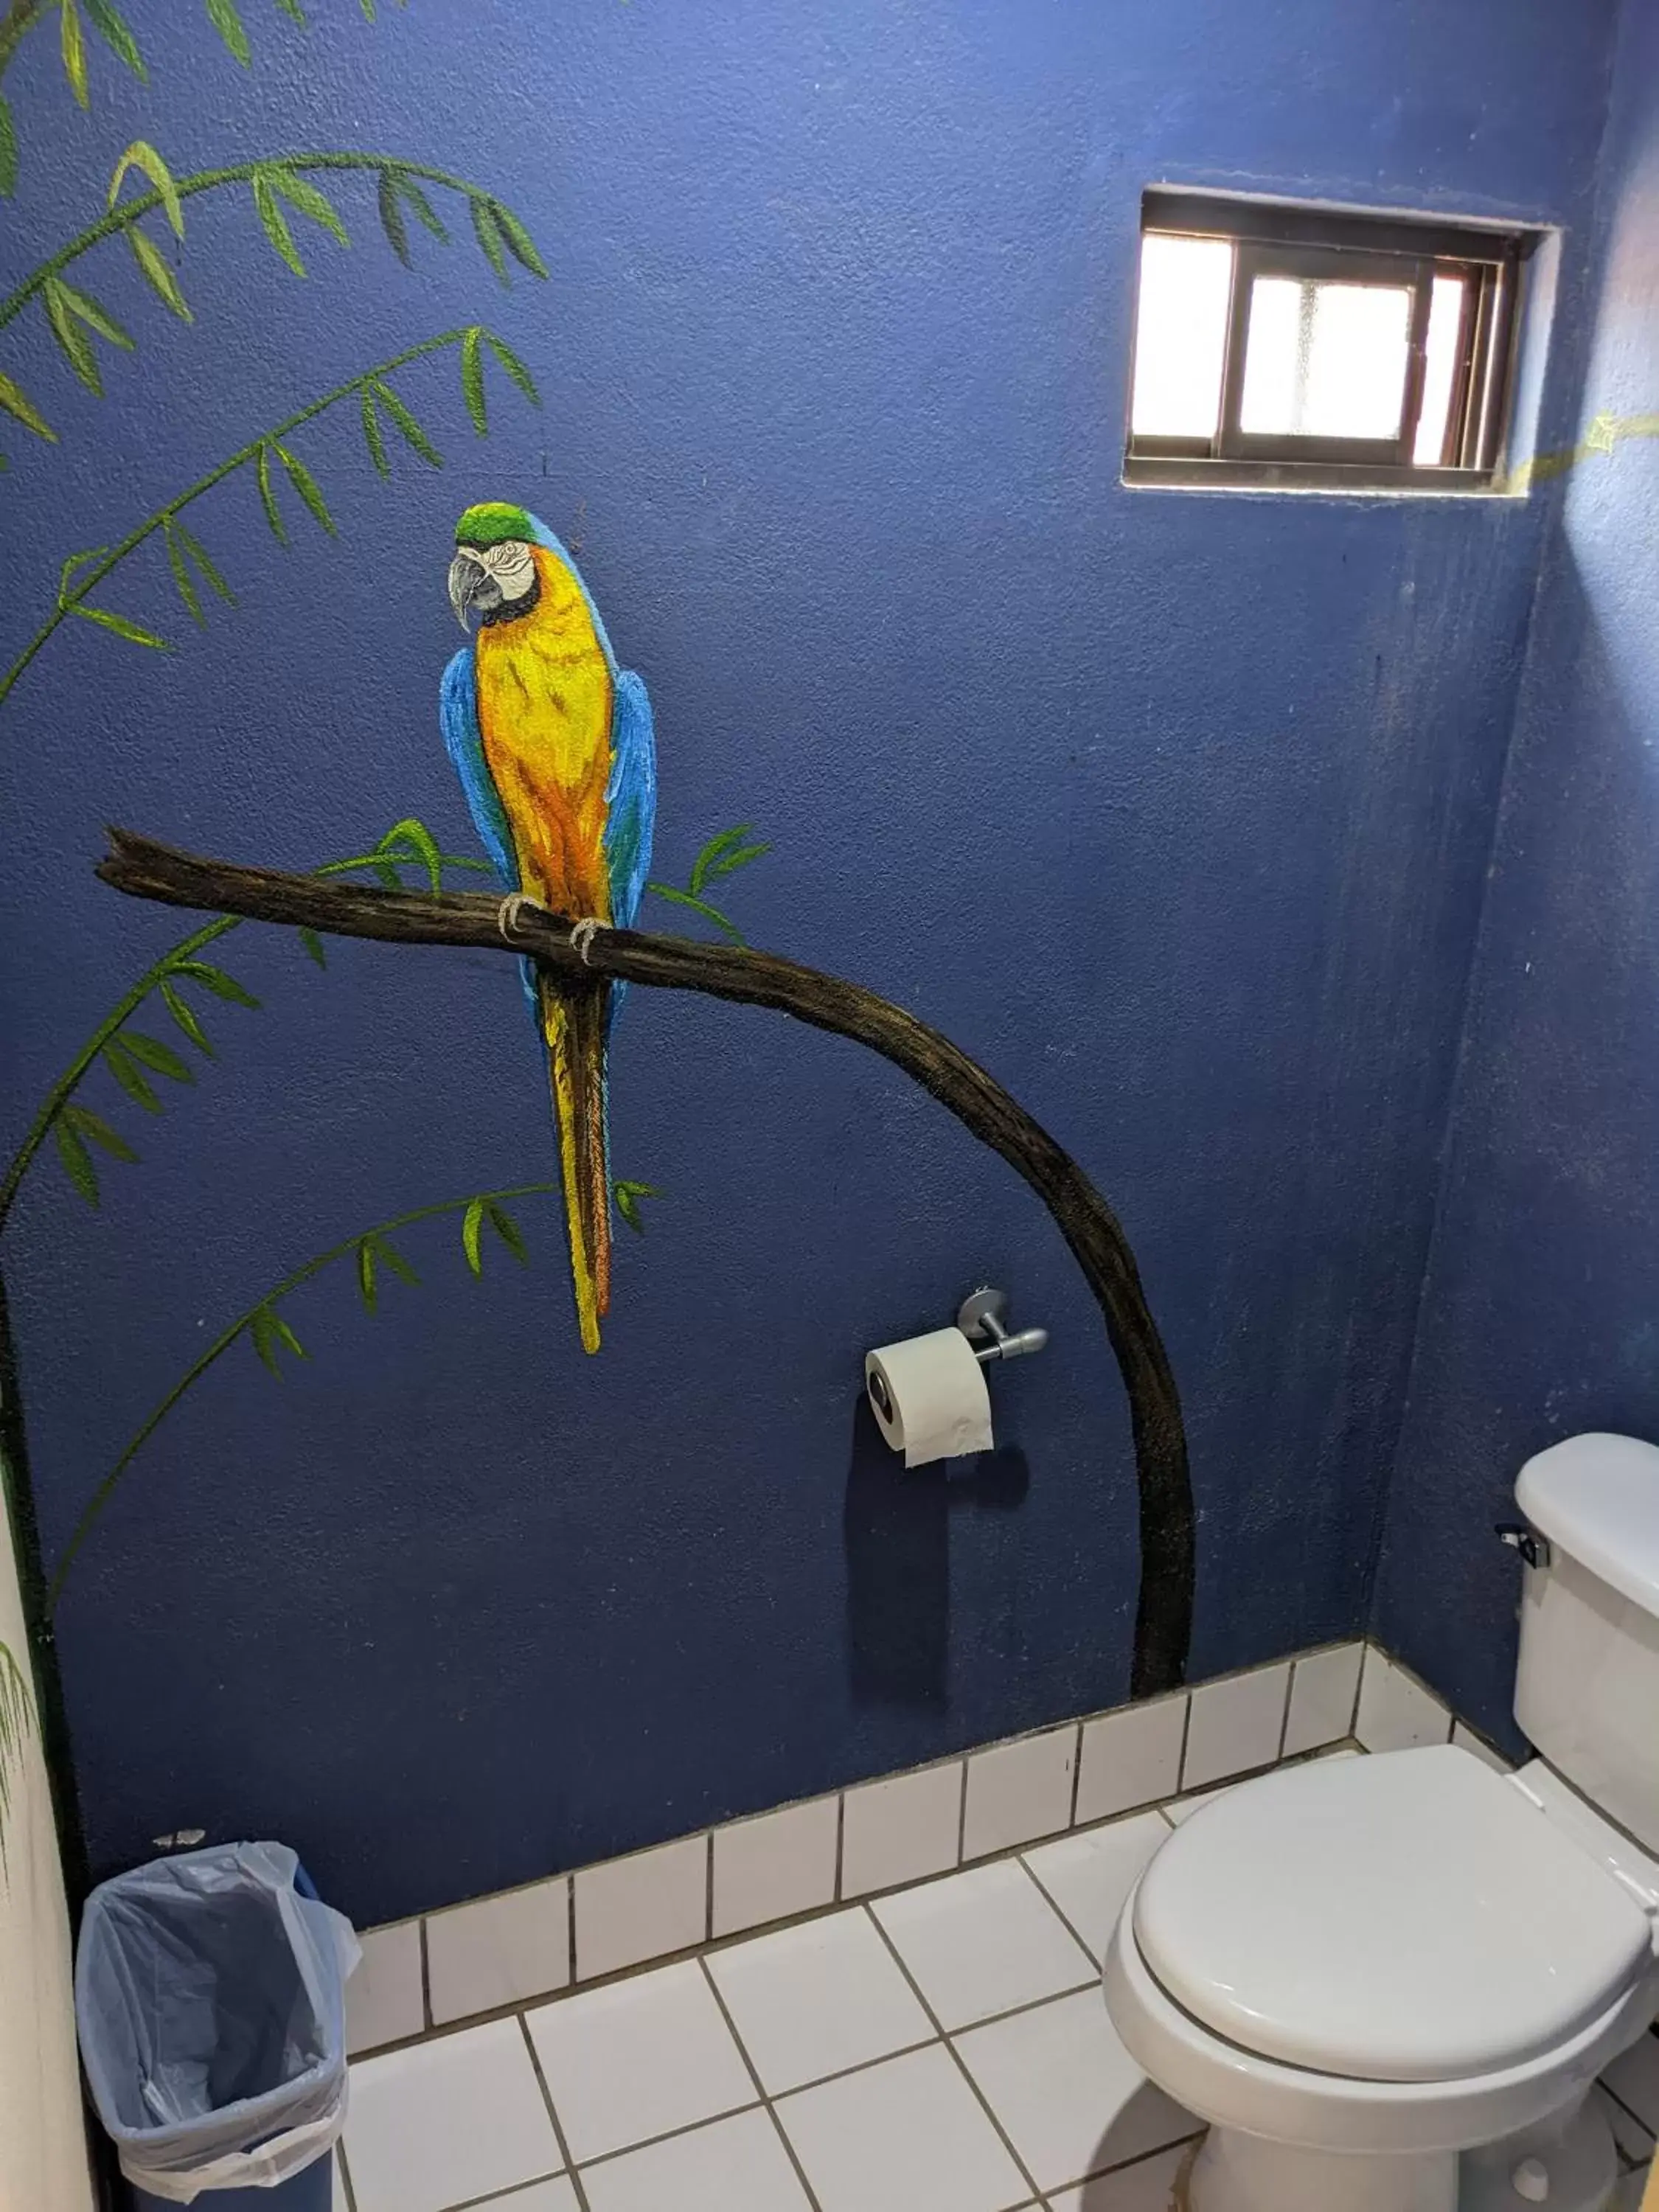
<point>514,367</point>
<point>293,11</point>
<point>729,863</point>
<point>111,26</point>
<point>425,214</point>
<point>371,437</point>
<point>125,1070</point>
<point>275,222</point>
<point>391,217</point>
<point>406,423</point>
<point>160,1059</point>
<point>506,1229</point>
<point>222,14</point>
<point>72,339</point>
<point>305,484</point>
<point>471,1229</point>
<point>94,315</point>
<point>313,947</point>
<point>712,851</point>
<point>72,45</point>
<point>16,401</point>
<point>263,1330</point>
<point>722,922</point>
<point>628,1196</point>
<point>301,193</point>
<point>389,1256</point>
<point>8,150</point>
<point>423,846</point>
<point>143,156</point>
<point>77,1161</point>
<point>183,580</point>
<point>72,567</point>
<point>215,980</point>
<point>120,625</point>
<point>86,1123</point>
<point>386,876</point>
<point>472,384</point>
<point>268,497</point>
<point>520,244</point>
<point>366,1280</point>
<point>206,567</point>
<point>185,1015</point>
<point>487,234</point>
<point>158,272</point>
<point>288,1336</point>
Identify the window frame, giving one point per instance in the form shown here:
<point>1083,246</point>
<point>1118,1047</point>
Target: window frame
<point>1273,239</point>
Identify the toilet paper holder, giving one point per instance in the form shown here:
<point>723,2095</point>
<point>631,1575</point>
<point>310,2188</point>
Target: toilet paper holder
<point>982,1317</point>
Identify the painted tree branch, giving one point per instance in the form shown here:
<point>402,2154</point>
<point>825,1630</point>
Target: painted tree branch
<point>144,869</point>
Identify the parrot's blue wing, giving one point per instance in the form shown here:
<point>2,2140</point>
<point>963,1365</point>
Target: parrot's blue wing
<point>457,717</point>
<point>630,798</point>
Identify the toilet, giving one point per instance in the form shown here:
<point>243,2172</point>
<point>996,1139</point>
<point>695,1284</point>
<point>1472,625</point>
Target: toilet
<point>1389,1983</point>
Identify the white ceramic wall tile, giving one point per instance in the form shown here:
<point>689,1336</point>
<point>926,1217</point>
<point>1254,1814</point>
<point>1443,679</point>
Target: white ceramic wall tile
<point>1396,1713</point>
<point>1130,1758</point>
<point>1090,1874</point>
<point>633,1909</point>
<point>774,1867</point>
<point>441,2123</point>
<point>981,1943</point>
<point>1323,1688</point>
<point>1235,1725</point>
<point>1019,1791</point>
<point>906,2136</point>
<point>1633,2078</point>
<point>737,2165</point>
<point>900,1830</point>
<point>813,2000</point>
<point>1068,2094</point>
<point>498,1950</point>
<point>1467,1739</point>
<point>384,1999</point>
<point>632,2061</point>
<point>1153,2184</point>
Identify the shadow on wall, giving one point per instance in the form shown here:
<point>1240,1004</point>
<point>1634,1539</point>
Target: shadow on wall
<point>895,1532</point>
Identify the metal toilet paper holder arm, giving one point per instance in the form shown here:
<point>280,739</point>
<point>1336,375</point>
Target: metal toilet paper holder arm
<point>981,1317</point>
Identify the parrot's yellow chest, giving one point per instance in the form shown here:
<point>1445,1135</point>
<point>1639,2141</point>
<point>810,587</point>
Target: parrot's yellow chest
<point>544,711</point>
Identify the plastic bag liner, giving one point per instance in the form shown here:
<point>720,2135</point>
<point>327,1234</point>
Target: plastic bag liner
<point>209,1995</point>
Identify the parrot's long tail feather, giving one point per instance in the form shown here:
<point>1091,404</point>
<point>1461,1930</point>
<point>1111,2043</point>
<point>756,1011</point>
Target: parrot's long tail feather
<point>573,1024</point>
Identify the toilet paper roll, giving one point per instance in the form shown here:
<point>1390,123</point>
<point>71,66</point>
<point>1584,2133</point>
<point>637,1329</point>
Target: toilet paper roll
<point>929,1397</point>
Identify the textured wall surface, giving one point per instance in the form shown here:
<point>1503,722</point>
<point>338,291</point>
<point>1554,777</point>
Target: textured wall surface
<point>1172,808</point>
<point>1541,1314</point>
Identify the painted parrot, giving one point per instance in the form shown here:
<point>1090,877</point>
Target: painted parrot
<point>553,747</point>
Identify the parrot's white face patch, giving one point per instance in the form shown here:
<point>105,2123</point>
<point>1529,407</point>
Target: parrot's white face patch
<point>511,566</point>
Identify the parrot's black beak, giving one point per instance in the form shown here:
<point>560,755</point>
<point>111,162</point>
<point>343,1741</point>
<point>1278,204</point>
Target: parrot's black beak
<point>472,589</point>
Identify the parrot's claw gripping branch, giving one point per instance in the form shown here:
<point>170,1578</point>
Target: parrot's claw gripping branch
<point>145,869</point>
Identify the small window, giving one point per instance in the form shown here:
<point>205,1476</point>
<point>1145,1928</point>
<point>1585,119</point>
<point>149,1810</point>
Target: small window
<point>1290,346</point>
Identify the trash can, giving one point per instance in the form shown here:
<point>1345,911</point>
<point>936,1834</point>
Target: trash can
<point>210,1996</point>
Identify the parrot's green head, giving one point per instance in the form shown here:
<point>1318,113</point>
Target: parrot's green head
<point>493,574</point>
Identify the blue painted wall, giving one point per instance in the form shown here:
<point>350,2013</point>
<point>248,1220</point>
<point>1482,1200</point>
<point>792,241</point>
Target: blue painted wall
<point>1173,809</point>
<point>1539,1315</point>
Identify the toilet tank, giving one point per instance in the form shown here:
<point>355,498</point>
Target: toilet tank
<point>1587,1685</point>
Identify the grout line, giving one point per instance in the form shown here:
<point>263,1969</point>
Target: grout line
<point>1285,1717</point>
<point>1077,1774</point>
<point>504,2197</point>
<point>835,1897</point>
<point>571,1925</point>
<point>962,1813</point>
<point>342,2174</point>
<point>980,2097</point>
<point>672,2135</point>
<point>547,2098</point>
<point>760,2087</point>
<point>708,1889</point>
<point>426,1977</point>
<point>1186,1731</point>
<point>1359,1684</point>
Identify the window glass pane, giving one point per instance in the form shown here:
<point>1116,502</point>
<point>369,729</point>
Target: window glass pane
<point>1180,336</point>
<point>1440,373</point>
<point>1325,360</point>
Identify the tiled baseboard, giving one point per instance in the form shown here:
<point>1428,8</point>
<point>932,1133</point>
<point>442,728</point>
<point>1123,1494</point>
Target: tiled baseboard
<point>499,1951</point>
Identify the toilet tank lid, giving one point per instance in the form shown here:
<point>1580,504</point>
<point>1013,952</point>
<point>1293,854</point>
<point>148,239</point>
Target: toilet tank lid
<point>1597,1496</point>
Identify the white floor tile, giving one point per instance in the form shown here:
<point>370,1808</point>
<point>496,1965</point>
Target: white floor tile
<point>1130,1758</point>
<point>1633,2078</point>
<point>812,2000</point>
<point>1235,1725</point>
<point>1090,1874</point>
<point>769,1868</point>
<point>1395,1713</point>
<point>981,1943</point>
<point>1152,2184</point>
<point>643,1907</point>
<point>441,2123</point>
<point>737,2165</point>
<point>637,2059</point>
<point>900,1830</point>
<point>906,2136</point>
<point>1018,1791</point>
<point>1072,2098</point>
<point>498,1950</point>
<point>384,2002</point>
<point>1323,1688</point>
<point>555,2195</point>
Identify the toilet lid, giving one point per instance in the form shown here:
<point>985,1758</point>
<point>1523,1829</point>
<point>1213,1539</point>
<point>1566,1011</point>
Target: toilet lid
<point>1406,1917</point>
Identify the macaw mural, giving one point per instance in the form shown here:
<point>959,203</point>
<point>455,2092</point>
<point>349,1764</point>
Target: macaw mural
<point>553,747</point>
